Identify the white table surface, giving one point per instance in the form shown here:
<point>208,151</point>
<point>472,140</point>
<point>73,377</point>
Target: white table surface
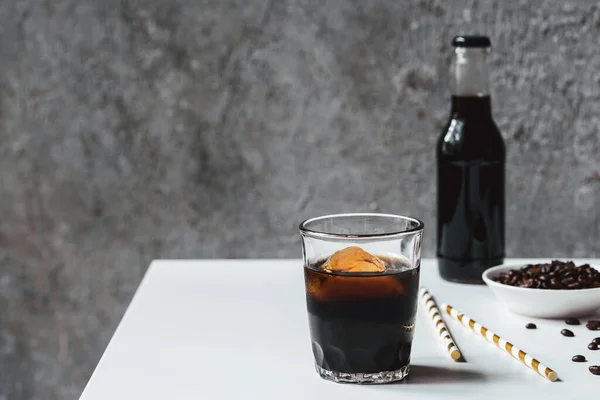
<point>238,329</point>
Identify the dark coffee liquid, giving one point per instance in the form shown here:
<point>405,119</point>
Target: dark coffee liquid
<point>471,160</point>
<point>362,324</point>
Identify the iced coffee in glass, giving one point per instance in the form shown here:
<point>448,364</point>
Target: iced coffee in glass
<point>362,278</point>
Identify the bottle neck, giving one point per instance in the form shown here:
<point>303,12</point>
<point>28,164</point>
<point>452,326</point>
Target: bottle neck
<point>470,83</point>
<point>470,72</point>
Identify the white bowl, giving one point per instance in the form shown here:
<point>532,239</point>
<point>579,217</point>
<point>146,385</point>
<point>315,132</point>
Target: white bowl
<point>543,303</point>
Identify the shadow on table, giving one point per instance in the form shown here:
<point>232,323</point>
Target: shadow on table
<point>428,374</point>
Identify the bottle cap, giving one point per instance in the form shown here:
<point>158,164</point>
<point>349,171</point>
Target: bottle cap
<point>471,41</point>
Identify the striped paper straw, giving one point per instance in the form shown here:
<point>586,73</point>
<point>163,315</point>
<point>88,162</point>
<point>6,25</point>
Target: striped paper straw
<point>439,325</point>
<point>502,344</point>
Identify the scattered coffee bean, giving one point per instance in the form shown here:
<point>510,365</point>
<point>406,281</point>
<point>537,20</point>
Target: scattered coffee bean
<point>578,358</point>
<point>594,321</point>
<point>572,321</point>
<point>596,340</point>
<point>593,326</point>
<point>567,333</point>
<point>593,346</point>
<point>595,369</point>
<point>555,275</point>
<point>530,326</point>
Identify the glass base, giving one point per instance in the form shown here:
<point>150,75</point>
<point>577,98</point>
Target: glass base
<point>364,378</point>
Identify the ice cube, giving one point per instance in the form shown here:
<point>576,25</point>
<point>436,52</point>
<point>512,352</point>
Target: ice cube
<point>354,259</point>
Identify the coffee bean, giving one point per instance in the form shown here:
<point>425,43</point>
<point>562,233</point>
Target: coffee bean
<point>530,326</point>
<point>592,326</point>
<point>578,358</point>
<point>570,273</point>
<point>596,340</point>
<point>572,321</point>
<point>595,369</point>
<point>567,333</point>
<point>593,346</point>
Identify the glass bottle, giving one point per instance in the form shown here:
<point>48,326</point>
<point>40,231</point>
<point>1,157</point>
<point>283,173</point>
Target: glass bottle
<point>471,159</point>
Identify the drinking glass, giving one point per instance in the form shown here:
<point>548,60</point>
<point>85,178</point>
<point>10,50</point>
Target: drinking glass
<point>362,280</point>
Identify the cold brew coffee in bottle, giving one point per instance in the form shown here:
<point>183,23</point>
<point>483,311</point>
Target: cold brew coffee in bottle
<point>470,171</point>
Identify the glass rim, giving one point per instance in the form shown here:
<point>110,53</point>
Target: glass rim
<point>388,235</point>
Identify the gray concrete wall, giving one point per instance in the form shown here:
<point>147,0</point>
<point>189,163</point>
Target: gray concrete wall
<point>137,129</point>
